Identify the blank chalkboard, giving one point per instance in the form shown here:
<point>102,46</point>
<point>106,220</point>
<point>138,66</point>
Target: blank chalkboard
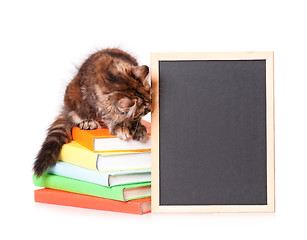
<point>213,131</point>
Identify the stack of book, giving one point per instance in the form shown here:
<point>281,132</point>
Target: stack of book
<point>99,171</point>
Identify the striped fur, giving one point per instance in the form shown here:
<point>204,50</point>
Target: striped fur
<point>109,90</point>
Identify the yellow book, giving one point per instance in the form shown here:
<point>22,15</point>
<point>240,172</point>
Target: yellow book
<point>76,154</point>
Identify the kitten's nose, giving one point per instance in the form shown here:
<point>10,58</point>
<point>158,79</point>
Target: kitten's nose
<point>150,108</point>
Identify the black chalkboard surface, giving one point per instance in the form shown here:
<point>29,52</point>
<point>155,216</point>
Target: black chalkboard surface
<point>213,132</point>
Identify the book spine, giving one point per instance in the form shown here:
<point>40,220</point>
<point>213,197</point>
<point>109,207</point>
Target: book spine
<point>63,198</point>
<point>78,156</point>
<point>77,186</point>
<point>83,138</point>
<point>72,171</point>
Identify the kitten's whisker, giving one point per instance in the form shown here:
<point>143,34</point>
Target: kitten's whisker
<point>136,127</point>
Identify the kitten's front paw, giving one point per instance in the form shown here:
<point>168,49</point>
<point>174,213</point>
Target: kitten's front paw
<point>88,124</point>
<point>140,133</point>
<point>123,133</point>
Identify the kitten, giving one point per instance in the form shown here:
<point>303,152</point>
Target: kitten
<point>109,90</point>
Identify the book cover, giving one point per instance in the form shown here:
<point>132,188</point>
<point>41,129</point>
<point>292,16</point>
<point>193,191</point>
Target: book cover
<point>100,140</point>
<point>122,192</point>
<point>76,154</point>
<point>102,178</point>
<point>58,197</point>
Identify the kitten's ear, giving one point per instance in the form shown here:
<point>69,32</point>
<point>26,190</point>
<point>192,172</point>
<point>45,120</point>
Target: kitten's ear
<point>141,72</point>
<point>125,103</point>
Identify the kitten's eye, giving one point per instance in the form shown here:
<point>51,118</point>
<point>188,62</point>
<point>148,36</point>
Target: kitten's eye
<point>122,113</point>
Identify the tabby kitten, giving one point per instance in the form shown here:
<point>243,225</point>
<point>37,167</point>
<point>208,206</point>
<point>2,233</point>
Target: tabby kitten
<point>109,90</point>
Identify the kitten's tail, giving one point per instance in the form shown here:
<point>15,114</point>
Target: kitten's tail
<point>58,134</point>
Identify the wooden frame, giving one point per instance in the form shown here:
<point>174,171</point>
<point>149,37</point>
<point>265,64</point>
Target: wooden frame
<point>268,56</point>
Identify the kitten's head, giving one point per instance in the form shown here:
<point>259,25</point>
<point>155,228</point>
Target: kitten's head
<point>129,92</point>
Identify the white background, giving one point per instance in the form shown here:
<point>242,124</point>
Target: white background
<point>41,45</point>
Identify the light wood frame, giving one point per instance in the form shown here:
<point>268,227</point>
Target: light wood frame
<point>269,57</point>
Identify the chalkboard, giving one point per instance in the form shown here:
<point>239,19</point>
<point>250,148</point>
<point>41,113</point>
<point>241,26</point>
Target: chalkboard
<point>213,132</point>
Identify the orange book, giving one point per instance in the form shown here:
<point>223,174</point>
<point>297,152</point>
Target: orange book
<point>101,140</point>
<point>57,197</point>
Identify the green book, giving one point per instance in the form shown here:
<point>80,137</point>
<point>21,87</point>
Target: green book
<point>121,192</point>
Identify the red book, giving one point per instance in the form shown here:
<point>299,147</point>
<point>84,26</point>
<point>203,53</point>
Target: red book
<point>101,140</point>
<point>52,196</point>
